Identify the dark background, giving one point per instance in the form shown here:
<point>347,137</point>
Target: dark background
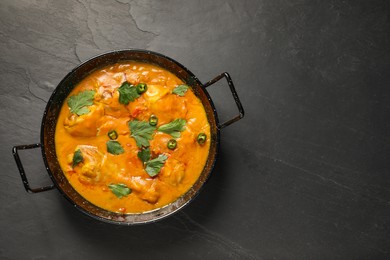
<point>305,175</point>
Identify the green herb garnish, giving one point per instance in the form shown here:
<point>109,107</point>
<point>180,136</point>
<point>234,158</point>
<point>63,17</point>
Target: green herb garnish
<point>180,90</point>
<point>144,155</point>
<point>127,93</point>
<point>120,190</point>
<point>114,147</point>
<point>173,128</point>
<point>77,158</point>
<point>153,167</point>
<point>78,103</point>
<point>142,132</point>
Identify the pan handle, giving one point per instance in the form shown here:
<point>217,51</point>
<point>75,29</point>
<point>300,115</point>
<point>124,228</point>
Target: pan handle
<point>235,96</point>
<point>21,169</point>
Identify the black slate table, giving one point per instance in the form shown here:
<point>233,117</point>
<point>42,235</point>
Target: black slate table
<point>306,173</point>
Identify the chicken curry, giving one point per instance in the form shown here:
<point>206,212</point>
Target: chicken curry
<point>132,137</point>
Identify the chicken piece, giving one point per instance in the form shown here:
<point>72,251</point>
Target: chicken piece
<point>168,108</point>
<point>84,125</point>
<point>108,123</point>
<point>155,92</point>
<point>109,78</point>
<point>108,95</point>
<point>146,189</point>
<point>132,76</point>
<point>138,109</point>
<point>89,169</point>
<point>173,172</point>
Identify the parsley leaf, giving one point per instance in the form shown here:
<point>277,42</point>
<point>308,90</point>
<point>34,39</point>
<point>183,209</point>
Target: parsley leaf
<point>180,90</point>
<point>144,155</point>
<point>77,158</point>
<point>142,132</point>
<point>78,103</point>
<point>127,93</point>
<point>174,127</point>
<point>114,147</point>
<point>153,167</point>
<point>120,190</point>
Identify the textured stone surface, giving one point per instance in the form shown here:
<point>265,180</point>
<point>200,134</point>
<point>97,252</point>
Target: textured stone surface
<point>305,175</point>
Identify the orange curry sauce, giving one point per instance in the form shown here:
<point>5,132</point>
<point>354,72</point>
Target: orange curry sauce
<point>88,133</point>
